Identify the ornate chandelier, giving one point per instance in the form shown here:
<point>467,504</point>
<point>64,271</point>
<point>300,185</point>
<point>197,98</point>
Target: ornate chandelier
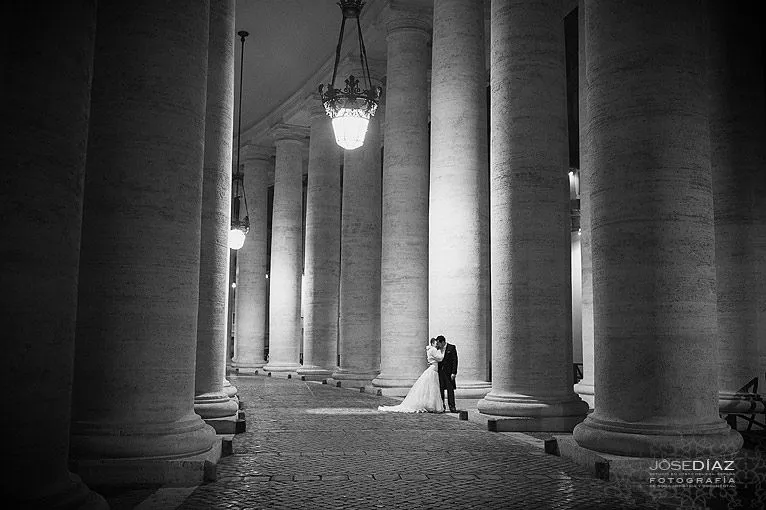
<point>239,227</point>
<point>350,108</point>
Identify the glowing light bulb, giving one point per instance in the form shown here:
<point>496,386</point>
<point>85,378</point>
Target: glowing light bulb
<point>236,239</point>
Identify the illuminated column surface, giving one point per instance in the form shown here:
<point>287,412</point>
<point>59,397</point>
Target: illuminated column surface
<point>133,396</point>
<point>532,380</point>
<point>404,257</point>
<point>286,251</point>
<point>322,257</point>
<point>458,232</point>
<point>737,160</point>
<point>210,401</point>
<point>585,387</point>
<point>359,325</point>
<point>41,205</point>
<point>252,281</point>
<point>653,246</point>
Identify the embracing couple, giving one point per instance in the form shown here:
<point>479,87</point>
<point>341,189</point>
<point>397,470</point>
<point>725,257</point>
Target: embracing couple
<point>427,394</point>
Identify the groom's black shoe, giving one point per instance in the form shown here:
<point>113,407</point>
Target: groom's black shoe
<point>453,410</point>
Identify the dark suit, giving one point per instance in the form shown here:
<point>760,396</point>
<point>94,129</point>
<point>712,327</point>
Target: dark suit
<point>447,367</point>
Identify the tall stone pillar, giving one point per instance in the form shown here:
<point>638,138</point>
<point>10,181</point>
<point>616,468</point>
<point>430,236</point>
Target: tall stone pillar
<point>210,401</point>
<point>404,257</point>
<point>532,380</point>
<point>252,282</point>
<point>458,229</point>
<point>359,325</point>
<point>322,252</point>
<point>654,287</point>
<point>133,397</point>
<point>739,169</point>
<point>585,387</point>
<point>286,251</point>
<point>41,196</point>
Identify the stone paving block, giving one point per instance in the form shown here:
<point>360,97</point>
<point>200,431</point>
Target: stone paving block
<point>357,478</point>
<point>385,476</point>
<point>256,478</point>
<point>413,477</point>
<point>334,478</point>
<point>306,478</point>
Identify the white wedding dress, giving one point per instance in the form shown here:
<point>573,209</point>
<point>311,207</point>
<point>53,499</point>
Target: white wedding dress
<point>424,396</point>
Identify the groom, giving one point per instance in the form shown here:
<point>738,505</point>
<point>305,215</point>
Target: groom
<point>447,372</point>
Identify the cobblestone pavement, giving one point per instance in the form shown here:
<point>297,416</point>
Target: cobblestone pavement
<point>315,446</point>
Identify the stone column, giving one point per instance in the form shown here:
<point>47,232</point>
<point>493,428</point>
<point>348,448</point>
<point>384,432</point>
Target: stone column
<point>252,283</point>
<point>532,379</point>
<point>133,394</point>
<point>404,257</point>
<point>43,159</point>
<point>585,387</point>
<point>739,168</point>
<point>458,229</point>
<point>654,287</point>
<point>210,401</point>
<point>286,251</point>
<point>359,326</point>
<point>322,252</point>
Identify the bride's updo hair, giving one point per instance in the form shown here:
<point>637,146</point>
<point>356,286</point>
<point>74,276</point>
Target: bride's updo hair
<point>433,341</point>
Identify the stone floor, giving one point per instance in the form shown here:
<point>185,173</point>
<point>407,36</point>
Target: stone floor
<point>316,446</point>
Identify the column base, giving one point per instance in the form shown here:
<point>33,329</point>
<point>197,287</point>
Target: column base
<point>534,424</point>
<point>524,406</point>
<point>393,386</point>
<point>228,425</point>
<point>738,403</point>
<point>603,465</point>
<point>185,437</point>
<point>215,405</point>
<point>185,471</point>
<point>644,439</point>
<point>350,378</point>
<point>75,496</point>
<point>586,392</point>
<point>229,388</point>
<point>281,367</point>
<point>282,375</point>
<point>472,389</point>
<point>245,367</point>
<point>314,372</point>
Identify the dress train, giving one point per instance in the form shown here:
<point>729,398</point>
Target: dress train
<point>424,396</point>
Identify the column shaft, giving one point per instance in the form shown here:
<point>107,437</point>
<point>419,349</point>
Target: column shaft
<point>654,286</point>
<point>140,258</point>
<point>41,196</point>
<point>252,282</point>
<point>737,161</point>
<point>359,326</point>
<point>404,257</point>
<point>322,257</point>
<point>530,226</point>
<point>210,400</point>
<point>458,233</point>
<point>286,255</point>
<point>585,387</point>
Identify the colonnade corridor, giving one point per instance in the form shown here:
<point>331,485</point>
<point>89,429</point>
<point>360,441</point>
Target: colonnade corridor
<point>314,445</point>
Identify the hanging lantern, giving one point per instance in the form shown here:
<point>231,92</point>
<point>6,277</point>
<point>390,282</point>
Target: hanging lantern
<point>352,107</point>
<point>239,227</point>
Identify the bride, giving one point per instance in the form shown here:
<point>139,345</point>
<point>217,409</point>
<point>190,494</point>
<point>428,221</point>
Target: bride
<point>425,395</point>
